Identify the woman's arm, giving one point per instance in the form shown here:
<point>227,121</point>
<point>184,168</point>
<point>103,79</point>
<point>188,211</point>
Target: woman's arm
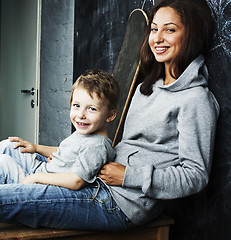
<point>113,173</point>
<point>28,147</point>
<point>66,180</point>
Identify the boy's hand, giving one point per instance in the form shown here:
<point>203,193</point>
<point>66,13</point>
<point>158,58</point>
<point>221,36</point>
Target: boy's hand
<point>30,179</point>
<point>27,147</point>
<point>50,158</point>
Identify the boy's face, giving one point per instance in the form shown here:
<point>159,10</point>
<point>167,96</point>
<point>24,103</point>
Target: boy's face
<point>90,115</point>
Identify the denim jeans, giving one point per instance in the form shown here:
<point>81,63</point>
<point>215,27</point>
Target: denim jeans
<point>91,208</point>
<point>14,165</point>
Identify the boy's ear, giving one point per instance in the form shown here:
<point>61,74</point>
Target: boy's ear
<point>111,116</point>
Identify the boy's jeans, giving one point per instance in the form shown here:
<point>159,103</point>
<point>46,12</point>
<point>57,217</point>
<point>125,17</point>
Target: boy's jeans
<point>14,165</point>
<point>35,205</point>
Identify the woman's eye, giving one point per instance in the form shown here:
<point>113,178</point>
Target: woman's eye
<point>171,30</point>
<point>154,29</point>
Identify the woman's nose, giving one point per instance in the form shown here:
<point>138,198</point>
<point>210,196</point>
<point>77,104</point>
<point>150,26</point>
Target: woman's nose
<point>158,38</point>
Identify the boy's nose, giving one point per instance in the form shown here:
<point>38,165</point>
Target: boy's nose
<point>81,114</point>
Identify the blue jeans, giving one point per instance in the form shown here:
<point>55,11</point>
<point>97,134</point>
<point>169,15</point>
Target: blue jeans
<point>14,165</point>
<point>91,208</point>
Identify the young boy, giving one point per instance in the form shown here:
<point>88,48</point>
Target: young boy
<point>80,156</point>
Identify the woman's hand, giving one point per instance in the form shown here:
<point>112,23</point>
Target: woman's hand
<point>113,173</point>
<point>27,147</point>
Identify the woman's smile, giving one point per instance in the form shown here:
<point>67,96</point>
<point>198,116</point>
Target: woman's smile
<point>161,50</point>
<point>166,35</point>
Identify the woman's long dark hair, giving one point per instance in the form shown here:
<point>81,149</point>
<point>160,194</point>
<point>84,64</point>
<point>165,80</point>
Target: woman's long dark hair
<point>196,18</point>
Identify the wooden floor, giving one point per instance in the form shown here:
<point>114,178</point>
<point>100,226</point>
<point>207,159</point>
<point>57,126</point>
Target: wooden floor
<point>156,230</point>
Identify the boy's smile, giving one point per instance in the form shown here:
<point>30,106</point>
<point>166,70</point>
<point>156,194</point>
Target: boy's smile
<point>89,114</point>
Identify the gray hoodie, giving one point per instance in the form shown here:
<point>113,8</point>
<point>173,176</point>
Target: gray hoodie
<point>167,144</point>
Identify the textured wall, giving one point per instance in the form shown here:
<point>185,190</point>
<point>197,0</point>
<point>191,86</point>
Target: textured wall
<point>56,70</point>
<point>99,31</point>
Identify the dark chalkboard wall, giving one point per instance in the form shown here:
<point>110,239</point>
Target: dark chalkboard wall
<point>99,31</point>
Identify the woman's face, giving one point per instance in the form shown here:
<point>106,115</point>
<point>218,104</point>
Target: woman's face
<point>166,34</point>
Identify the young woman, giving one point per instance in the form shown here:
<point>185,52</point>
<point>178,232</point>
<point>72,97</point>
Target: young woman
<point>167,144</point>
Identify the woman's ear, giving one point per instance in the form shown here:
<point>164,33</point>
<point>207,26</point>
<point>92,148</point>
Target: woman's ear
<point>112,115</point>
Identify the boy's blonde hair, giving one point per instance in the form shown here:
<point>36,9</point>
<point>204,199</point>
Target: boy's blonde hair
<point>101,83</point>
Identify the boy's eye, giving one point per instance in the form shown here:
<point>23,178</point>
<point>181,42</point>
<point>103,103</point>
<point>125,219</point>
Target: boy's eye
<point>76,105</point>
<point>92,109</point>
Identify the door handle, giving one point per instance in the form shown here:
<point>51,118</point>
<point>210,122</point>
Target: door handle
<point>32,91</point>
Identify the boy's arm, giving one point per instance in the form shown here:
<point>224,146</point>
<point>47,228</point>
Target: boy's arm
<point>46,151</point>
<point>28,147</point>
<point>66,179</point>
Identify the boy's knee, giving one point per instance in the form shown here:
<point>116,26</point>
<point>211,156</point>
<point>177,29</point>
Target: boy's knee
<point>3,157</point>
<point>10,170</point>
<point>6,144</point>
<point>5,160</point>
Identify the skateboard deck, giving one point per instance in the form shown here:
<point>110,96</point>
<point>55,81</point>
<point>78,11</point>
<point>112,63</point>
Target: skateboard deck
<point>127,67</point>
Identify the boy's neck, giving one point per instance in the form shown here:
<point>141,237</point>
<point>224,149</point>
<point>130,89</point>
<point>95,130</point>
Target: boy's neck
<point>102,132</point>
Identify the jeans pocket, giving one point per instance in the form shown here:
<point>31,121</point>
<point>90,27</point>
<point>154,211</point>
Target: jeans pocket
<point>101,194</point>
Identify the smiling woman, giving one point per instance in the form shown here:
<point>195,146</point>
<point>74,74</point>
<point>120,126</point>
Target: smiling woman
<point>165,39</point>
<point>169,132</point>
<point>186,18</point>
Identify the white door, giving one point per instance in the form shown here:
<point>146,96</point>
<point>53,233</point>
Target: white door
<point>19,68</point>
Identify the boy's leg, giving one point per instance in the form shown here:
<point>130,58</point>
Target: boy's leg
<point>10,170</point>
<point>36,205</point>
<point>27,161</point>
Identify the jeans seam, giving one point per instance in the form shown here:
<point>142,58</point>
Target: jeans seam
<point>95,193</point>
<point>118,217</point>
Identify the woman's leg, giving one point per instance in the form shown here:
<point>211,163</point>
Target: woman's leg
<point>36,205</point>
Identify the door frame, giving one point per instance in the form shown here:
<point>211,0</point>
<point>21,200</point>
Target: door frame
<point>37,87</point>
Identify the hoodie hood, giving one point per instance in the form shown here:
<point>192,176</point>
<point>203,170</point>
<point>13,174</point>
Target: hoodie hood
<point>196,74</point>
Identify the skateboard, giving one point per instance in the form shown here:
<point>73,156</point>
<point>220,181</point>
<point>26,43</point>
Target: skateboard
<point>127,67</point>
